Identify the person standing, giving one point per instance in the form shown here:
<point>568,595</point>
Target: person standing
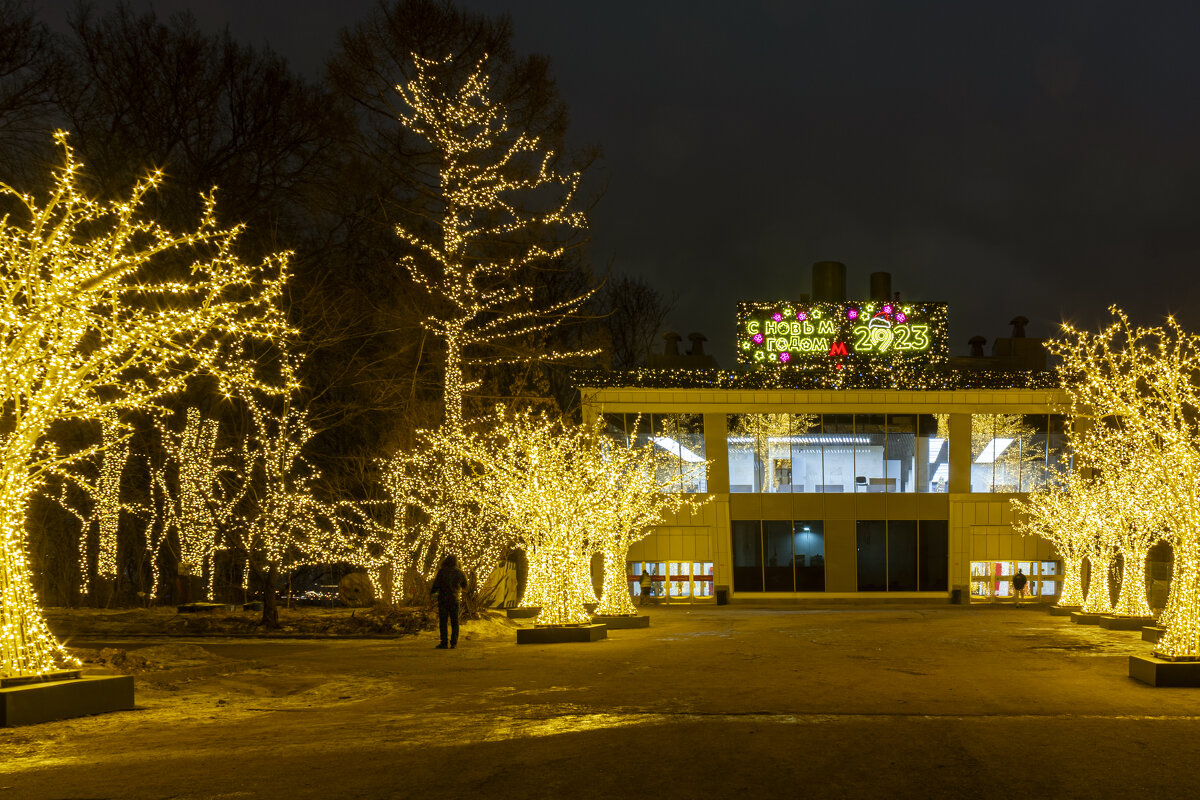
<point>1019,581</point>
<point>447,584</point>
<point>647,583</point>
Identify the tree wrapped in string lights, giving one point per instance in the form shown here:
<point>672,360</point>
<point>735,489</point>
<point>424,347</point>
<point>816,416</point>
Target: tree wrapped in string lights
<point>501,220</point>
<point>284,517</point>
<point>93,496</point>
<point>569,491</point>
<point>504,215</point>
<point>1146,379</point>
<point>105,311</point>
<point>433,516</point>
<point>1058,516</point>
<point>1134,514</point>
<point>637,487</point>
<point>525,468</point>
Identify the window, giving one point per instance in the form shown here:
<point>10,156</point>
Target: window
<point>808,554</point>
<point>933,556</point>
<point>993,579</point>
<point>903,555</point>
<point>839,442</point>
<point>778,556</point>
<point>680,435</point>
<point>1016,452</point>
<point>747,556</point>
<point>872,555</point>
<point>932,457</point>
<point>807,453</point>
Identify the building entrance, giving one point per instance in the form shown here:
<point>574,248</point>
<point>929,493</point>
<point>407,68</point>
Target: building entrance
<point>674,581</point>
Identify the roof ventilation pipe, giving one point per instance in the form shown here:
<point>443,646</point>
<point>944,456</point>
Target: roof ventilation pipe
<point>829,282</point>
<point>881,286</point>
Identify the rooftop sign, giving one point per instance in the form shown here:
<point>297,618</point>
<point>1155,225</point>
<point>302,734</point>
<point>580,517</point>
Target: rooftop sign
<point>838,333</point>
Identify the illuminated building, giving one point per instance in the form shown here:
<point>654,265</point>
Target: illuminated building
<point>850,455</point>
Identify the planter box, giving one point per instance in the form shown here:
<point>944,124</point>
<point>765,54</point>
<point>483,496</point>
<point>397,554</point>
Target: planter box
<point>522,613</point>
<point>1080,618</point>
<point>558,634</point>
<point>1063,611</point>
<point>205,608</point>
<point>613,622</point>
<point>30,703</point>
<point>1152,633</point>
<point>1115,622</point>
<point>1160,672</point>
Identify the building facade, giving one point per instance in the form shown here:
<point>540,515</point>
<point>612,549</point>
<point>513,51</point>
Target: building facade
<point>850,457</point>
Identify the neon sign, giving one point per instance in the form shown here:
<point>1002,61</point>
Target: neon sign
<point>804,333</point>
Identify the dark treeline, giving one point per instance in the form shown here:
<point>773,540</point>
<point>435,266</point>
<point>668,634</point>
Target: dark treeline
<point>323,170</point>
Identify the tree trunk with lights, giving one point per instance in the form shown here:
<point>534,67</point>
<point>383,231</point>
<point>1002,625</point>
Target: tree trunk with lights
<point>614,598</point>
<point>1098,600</point>
<point>1131,601</point>
<point>1072,588</point>
<point>27,647</point>
<point>270,615</point>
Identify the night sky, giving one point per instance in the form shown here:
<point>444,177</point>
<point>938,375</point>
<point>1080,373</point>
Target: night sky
<point>1008,158</point>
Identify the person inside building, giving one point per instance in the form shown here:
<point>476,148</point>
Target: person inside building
<point>646,584</point>
<point>447,584</point>
<point>1019,581</point>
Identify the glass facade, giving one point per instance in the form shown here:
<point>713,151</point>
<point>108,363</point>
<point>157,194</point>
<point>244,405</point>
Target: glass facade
<point>993,579</point>
<point>680,435</point>
<point>672,581</point>
<point>778,556</point>
<point>902,555</point>
<point>815,453</point>
<point>1016,452</point>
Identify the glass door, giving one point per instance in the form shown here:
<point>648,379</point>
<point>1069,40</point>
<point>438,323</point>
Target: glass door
<point>679,581</point>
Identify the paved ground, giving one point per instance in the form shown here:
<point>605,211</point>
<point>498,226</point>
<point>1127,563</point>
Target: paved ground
<point>733,701</point>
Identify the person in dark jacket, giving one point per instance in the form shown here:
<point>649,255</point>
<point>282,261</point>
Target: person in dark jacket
<point>1019,581</point>
<point>446,585</point>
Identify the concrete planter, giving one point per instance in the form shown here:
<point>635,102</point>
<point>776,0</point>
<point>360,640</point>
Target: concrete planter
<point>559,634</point>
<point>622,622</point>
<point>522,613</point>
<point>1152,633</point>
<point>1161,672</point>
<point>1115,622</point>
<point>74,695</point>
<point>1080,618</point>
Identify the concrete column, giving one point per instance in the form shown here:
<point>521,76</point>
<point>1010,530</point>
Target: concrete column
<point>960,453</point>
<point>716,450</point>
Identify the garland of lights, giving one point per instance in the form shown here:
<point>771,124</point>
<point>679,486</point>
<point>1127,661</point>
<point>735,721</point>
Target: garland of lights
<point>96,320</point>
<point>910,376</point>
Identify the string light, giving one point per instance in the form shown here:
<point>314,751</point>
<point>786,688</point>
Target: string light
<point>485,171</point>
<point>1140,384</point>
<point>100,316</point>
<point>914,375</point>
<point>568,492</point>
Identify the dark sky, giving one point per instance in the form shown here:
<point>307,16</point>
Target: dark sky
<point>1009,158</point>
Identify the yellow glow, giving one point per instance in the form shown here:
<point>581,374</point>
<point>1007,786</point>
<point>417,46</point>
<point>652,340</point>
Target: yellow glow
<point>568,492</point>
<point>101,315</point>
<point>1133,393</point>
